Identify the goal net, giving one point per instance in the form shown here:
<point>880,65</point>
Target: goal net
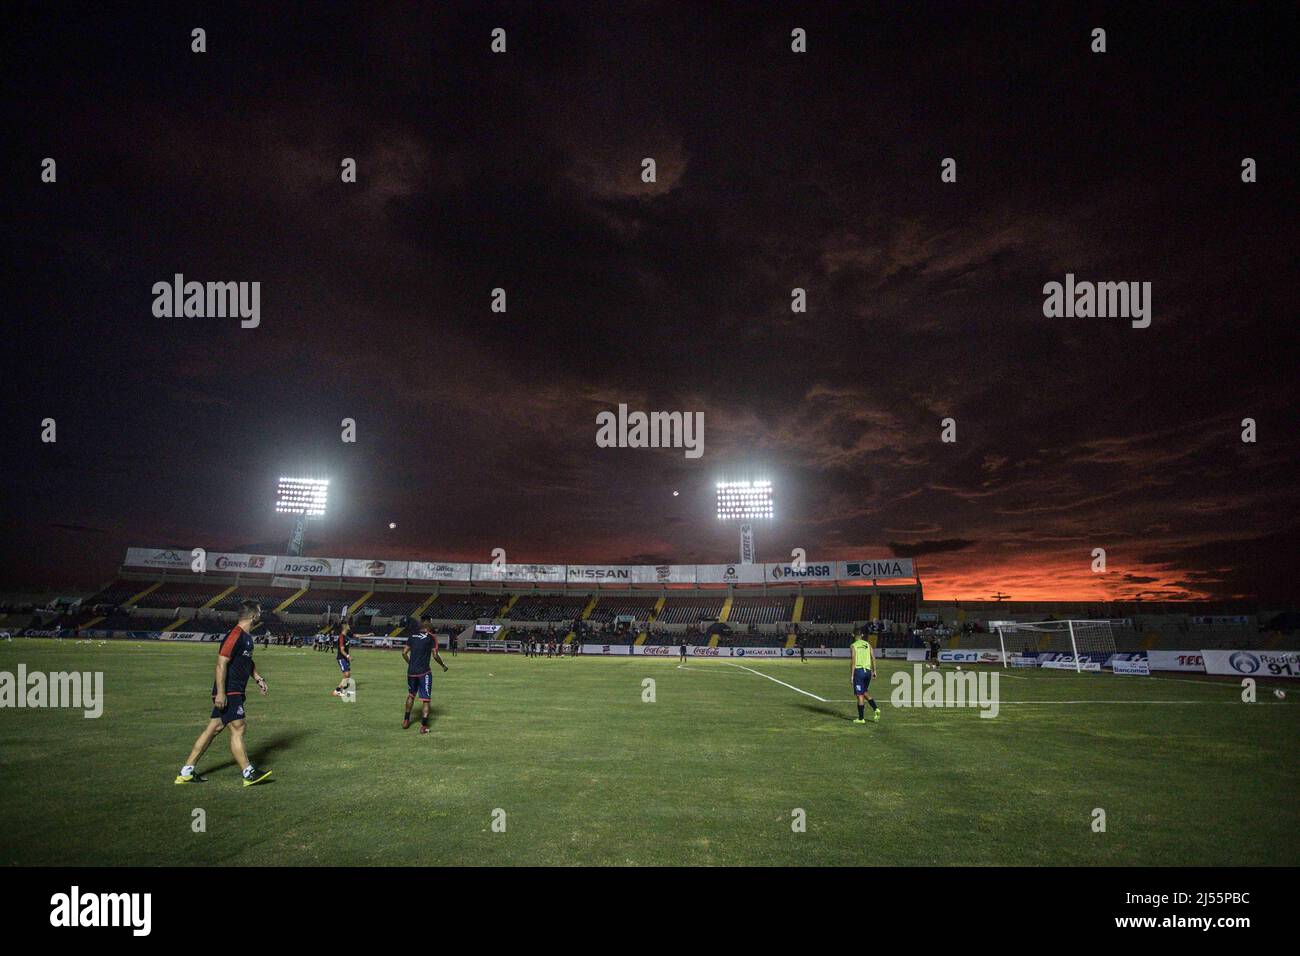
<point>1084,641</point>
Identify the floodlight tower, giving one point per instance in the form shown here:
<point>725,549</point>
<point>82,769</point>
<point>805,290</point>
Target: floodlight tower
<point>305,498</point>
<point>746,502</point>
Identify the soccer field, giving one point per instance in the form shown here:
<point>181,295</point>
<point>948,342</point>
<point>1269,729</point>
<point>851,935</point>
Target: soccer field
<point>588,772</point>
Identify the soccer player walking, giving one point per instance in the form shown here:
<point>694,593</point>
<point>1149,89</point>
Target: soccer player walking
<point>864,665</point>
<point>419,678</point>
<point>344,659</point>
<point>234,667</point>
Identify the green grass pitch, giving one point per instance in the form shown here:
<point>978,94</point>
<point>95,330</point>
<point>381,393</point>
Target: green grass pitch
<point>587,772</point>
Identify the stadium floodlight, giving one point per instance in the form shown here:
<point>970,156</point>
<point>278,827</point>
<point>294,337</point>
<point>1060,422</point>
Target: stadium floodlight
<point>305,498</point>
<point>747,502</point>
<point>302,496</point>
<point>744,500</point>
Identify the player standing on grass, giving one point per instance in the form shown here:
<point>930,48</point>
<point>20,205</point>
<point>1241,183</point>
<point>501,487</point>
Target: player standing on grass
<point>864,665</point>
<point>343,657</point>
<point>419,677</point>
<point>234,667</point>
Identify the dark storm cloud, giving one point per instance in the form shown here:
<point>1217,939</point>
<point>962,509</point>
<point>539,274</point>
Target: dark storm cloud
<point>476,430</point>
<point>917,548</point>
<point>77,528</point>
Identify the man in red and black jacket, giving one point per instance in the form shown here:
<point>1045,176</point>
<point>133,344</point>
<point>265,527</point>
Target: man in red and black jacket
<point>234,668</point>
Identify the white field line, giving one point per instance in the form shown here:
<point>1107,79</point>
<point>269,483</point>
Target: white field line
<point>853,700</point>
<point>1228,684</point>
<point>1215,702</point>
<point>1004,703</point>
<point>775,681</point>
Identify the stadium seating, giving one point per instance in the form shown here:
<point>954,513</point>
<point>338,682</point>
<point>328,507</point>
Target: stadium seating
<point>836,608</point>
<point>548,608</point>
<point>269,598</point>
<point>898,606</point>
<point>318,601</point>
<point>761,610</point>
<point>394,605</point>
<point>180,594</point>
<point>119,592</point>
<point>466,607</point>
<point>689,610</point>
<point>609,608</point>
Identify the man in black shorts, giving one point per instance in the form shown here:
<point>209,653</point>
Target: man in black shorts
<point>234,667</point>
<point>420,647</point>
<point>344,658</point>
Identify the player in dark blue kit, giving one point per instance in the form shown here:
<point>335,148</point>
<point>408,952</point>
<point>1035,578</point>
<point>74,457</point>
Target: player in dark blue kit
<point>234,667</point>
<point>344,659</point>
<point>419,677</point>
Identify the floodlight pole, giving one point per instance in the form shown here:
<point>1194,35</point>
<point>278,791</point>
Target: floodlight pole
<point>748,550</point>
<point>299,533</point>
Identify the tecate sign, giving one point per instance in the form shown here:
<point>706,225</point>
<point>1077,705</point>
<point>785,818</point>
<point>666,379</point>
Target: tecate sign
<point>1176,661</point>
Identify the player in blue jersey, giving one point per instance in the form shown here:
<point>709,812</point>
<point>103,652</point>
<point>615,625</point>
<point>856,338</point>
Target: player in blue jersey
<point>344,659</point>
<point>420,647</point>
<point>234,668</point>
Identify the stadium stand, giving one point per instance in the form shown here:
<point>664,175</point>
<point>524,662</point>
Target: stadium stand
<point>755,618</point>
<point>466,607</point>
<point>689,610</point>
<point>836,608</point>
<point>548,607</point>
<point>611,607</point>
<point>269,598</point>
<point>898,606</point>
<point>761,610</point>
<point>171,595</point>
<point>394,605</point>
<point>117,593</point>
<point>319,601</point>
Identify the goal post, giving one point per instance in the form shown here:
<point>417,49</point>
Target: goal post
<point>1081,639</point>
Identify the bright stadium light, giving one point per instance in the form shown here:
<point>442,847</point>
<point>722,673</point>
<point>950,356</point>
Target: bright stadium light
<point>744,500</point>
<point>304,497</point>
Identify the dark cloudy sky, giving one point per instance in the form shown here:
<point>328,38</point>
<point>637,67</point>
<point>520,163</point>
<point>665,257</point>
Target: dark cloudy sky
<point>775,171</point>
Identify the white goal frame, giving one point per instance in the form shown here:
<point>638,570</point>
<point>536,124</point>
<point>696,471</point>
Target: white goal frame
<point>1067,628</point>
